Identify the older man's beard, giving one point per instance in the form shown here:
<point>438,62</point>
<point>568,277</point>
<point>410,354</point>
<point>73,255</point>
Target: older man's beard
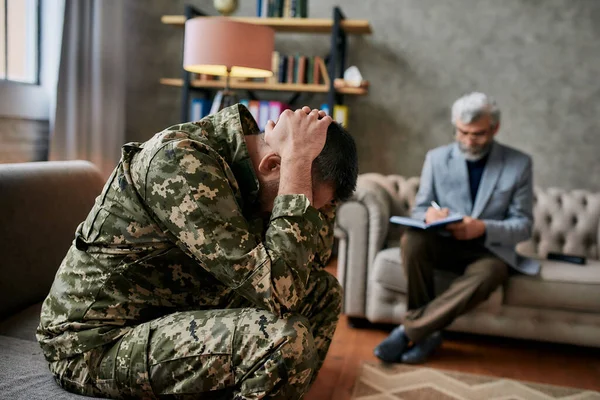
<point>475,153</point>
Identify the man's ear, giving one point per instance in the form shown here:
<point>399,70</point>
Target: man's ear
<point>270,166</point>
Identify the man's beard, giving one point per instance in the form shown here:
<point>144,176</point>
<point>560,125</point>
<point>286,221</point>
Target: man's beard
<point>266,196</point>
<point>475,153</point>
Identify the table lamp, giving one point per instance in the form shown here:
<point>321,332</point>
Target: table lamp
<point>223,47</point>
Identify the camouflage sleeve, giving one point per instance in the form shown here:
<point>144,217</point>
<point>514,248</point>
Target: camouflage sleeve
<point>188,190</point>
<point>325,243</point>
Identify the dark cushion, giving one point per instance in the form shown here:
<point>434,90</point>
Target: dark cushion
<point>41,204</point>
<point>24,373</point>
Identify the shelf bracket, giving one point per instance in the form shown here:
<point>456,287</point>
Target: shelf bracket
<point>337,58</point>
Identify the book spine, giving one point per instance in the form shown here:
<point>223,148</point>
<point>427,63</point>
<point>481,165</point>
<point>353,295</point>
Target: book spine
<point>301,69</point>
<point>340,114</point>
<point>290,70</point>
<point>279,8</point>
<point>275,67</point>
<point>275,110</point>
<point>296,65</point>
<point>317,70</point>
<point>282,68</point>
<point>310,66</point>
<point>259,7</point>
<point>254,109</point>
<point>263,115</point>
<point>264,12</point>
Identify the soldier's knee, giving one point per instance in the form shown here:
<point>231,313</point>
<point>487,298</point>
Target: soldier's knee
<point>334,293</point>
<point>298,349</point>
<point>325,293</point>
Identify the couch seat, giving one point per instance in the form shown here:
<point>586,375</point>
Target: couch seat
<point>388,273</point>
<point>24,373</point>
<point>559,286</point>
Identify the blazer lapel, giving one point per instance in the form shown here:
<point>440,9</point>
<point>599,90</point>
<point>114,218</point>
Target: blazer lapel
<point>491,173</point>
<point>459,180</point>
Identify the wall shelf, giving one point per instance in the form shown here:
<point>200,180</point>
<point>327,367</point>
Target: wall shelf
<point>299,25</point>
<point>338,28</point>
<point>280,87</point>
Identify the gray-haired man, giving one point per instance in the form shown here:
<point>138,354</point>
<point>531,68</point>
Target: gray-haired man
<point>491,185</point>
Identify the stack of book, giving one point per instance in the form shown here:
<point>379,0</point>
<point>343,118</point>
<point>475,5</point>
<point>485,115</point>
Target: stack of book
<point>282,8</point>
<point>263,110</point>
<point>297,69</point>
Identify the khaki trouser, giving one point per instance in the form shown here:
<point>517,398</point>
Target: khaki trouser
<point>481,272</point>
<point>241,353</point>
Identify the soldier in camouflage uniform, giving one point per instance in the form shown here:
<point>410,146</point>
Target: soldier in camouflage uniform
<point>198,271</point>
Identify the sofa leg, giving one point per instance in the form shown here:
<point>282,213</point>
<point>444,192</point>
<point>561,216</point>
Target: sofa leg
<point>359,323</point>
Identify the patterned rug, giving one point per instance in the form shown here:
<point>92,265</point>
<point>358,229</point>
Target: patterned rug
<point>392,382</point>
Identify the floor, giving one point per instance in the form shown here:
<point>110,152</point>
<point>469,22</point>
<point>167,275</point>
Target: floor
<point>517,359</point>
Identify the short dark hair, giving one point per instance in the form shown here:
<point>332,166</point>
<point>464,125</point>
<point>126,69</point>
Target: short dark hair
<point>338,162</point>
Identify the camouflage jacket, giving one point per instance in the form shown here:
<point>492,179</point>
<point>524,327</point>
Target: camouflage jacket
<point>176,227</point>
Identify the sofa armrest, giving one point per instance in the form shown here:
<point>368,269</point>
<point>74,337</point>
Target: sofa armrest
<point>41,204</point>
<point>361,228</point>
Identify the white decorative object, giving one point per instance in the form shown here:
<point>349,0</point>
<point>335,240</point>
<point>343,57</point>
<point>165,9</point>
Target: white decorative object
<point>353,77</point>
<point>226,7</point>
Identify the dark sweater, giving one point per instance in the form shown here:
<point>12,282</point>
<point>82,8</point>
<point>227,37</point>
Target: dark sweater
<point>475,172</point>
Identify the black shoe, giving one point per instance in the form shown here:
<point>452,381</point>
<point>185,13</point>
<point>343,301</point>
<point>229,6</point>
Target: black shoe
<point>420,351</point>
<point>391,349</point>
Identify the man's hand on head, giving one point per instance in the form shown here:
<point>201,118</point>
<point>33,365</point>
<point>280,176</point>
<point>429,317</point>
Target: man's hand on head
<point>298,138</point>
<point>298,135</point>
<point>469,228</point>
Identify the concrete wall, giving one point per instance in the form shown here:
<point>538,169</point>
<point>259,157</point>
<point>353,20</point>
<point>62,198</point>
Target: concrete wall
<point>539,58</point>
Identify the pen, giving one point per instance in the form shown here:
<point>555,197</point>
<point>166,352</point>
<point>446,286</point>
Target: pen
<point>436,205</point>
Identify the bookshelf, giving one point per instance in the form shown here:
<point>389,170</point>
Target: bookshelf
<point>337,27</point>
<point>296,25</point>
<point>281,87</point>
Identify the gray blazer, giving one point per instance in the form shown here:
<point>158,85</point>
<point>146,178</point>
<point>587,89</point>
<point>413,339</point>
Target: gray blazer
<point>504,199</point>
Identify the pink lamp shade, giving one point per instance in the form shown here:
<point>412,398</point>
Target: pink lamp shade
<point>212,45</point>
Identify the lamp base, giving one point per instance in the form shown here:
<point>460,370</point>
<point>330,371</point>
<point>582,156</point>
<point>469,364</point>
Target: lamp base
<point>223,98</point>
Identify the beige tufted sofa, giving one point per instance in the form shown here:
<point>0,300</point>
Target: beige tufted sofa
<point>562,304</point>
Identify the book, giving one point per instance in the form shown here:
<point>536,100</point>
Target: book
<point>340,114</point>
<point>263,114</point>
<point>199,108</point>
<point>254,108</point>
<point>416,223</point>
<point>290,70</point>
<point>214,108</point>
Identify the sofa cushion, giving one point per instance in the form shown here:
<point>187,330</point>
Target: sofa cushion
<point>22,325</point>
<point>389,274</point>
<point>559,286</point>
<point>24,373</point>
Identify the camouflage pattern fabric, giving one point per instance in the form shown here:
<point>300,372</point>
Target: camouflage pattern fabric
<point>176,284</point>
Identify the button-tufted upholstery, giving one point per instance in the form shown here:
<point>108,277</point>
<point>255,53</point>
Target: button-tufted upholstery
<point>562,304</point>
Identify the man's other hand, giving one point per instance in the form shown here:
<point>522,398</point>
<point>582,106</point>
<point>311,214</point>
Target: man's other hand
<point>433,214</point>
<point>469,228</point>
